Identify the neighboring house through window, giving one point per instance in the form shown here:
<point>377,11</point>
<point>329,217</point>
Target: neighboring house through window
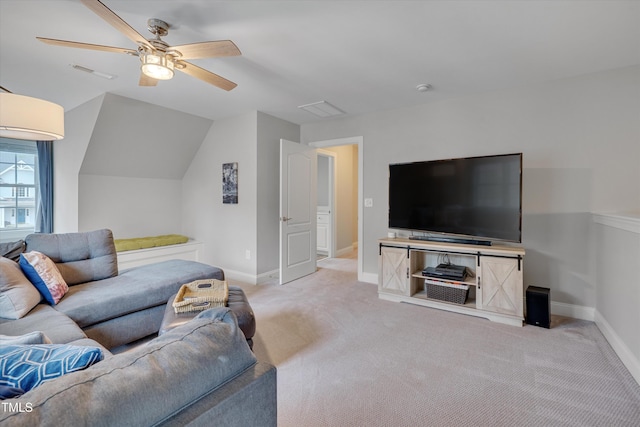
<point>18,188</point>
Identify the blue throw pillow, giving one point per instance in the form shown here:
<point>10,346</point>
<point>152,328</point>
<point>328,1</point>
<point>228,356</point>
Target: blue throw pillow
<point>7,392</point>
<point>26,366</point>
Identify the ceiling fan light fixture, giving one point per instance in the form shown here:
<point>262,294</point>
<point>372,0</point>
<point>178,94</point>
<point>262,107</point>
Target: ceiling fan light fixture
<point>157,66</point>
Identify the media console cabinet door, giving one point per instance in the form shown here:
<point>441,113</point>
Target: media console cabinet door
<point>501,285</point>
<point>394,271</point>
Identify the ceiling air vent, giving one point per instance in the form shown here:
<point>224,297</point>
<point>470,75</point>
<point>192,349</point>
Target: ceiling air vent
<point>322,109</point>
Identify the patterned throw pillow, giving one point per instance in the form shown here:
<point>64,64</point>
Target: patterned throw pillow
<point>44,275</point>
<point>24,367</point>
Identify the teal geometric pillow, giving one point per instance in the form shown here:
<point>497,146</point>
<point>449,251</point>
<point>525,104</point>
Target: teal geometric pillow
<point>26,366</point>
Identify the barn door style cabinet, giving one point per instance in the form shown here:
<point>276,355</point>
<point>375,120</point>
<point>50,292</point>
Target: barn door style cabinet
<point>493,287</point>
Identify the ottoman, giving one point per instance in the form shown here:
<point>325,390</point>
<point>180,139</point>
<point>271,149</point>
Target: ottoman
<point>238,304</point>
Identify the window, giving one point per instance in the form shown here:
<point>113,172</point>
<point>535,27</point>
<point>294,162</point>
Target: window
<point>18,188</point>
<point>22,191</point>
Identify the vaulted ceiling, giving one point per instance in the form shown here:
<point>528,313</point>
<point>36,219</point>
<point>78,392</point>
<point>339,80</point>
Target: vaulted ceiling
<point>361,56</point>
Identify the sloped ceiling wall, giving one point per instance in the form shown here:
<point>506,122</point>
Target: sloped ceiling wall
<point>141,140</point>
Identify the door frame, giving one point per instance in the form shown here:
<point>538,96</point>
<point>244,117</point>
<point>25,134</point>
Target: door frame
<point>359,141</point>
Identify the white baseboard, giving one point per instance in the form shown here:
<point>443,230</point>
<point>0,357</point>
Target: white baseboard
<point>251,279</point>
<point>344,251</point>
<point>572,310</point>
<point>368,278</point>
<point>624,353</point>
<point>239,276</point>
<point>268,276</point>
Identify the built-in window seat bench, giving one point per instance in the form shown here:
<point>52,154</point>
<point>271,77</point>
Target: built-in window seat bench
<point>146,250</point>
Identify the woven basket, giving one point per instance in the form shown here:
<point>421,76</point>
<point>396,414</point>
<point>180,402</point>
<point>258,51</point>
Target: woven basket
<point>200,295</point>
<point>446,291</point>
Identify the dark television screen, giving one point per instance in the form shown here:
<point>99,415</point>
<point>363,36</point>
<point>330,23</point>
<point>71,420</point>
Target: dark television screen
<point>475,196</point>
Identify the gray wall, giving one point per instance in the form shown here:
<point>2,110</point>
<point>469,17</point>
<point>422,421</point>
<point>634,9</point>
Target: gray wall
<point>269,132</point>
<point>227,230</point>
<point>140,170</point>
<point>579,137</point>
<point>130,207</point>
<point>323,181</point>
<point>131,173</point>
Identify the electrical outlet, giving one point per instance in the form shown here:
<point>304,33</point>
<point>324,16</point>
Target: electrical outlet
<point>368,203</point>
<point>247,254</point>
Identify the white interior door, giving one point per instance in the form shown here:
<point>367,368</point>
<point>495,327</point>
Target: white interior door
<point>298,177</point>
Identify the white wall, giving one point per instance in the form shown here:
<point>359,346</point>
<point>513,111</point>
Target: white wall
<point>67,157</point>
<point>130,207</point>
<point>579,137</point>
<point>617,241</point>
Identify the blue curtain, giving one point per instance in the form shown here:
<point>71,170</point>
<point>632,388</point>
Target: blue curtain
<point>44,214</point>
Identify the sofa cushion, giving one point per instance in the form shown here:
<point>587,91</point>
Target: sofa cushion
<point>133,290</point>
<point>55,325</point>
<point>25,367</point>
<point>123,245</point>
<point>12,250</point>
<point>80,257</point>
<point>35,337</point>
<point>44,275</point>
<point>17,294</point>
<point>171,372</point>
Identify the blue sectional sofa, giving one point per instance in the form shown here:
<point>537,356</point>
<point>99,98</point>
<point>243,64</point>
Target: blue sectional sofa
<point>198,372</point>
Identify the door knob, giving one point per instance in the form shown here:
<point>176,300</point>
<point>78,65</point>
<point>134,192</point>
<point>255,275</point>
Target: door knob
<point>284,218</point>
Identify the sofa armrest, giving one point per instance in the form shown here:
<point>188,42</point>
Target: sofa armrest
<point>248,400</point>
<point>146,385</point>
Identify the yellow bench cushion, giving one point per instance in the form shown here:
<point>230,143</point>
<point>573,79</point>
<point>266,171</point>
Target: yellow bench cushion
<point>132,244</point>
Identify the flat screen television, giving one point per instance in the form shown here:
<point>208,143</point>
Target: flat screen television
<point>477,198</point>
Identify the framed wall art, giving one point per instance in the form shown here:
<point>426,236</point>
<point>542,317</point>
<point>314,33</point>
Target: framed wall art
<point>230,183</point>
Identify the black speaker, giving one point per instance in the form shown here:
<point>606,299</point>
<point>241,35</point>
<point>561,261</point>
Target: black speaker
<point>538,306</point>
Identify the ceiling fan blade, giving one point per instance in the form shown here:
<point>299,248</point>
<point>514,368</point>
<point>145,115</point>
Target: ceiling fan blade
<point>146,80</point>
<point>207,49</point>
<point>118,23</point>
<point>205,76</point>
<point>66,43</point>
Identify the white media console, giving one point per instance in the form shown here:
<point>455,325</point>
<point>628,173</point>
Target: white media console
<point>494,281</point>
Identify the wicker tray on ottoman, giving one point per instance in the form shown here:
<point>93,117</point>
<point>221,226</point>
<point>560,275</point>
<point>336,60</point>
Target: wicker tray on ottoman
<point>200,295</point>
<point>446,291</point>
<point>238,303</point>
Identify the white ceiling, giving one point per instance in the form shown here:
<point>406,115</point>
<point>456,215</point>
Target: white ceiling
<point>361,56</point>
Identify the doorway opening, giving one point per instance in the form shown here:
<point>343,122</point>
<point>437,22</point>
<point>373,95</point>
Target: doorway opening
<point>346,212</point>
<point>325,221</point>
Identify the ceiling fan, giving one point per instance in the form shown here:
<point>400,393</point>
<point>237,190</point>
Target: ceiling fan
<point>158,59</point>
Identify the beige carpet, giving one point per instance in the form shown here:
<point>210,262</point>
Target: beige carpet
<point>346,358</point>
